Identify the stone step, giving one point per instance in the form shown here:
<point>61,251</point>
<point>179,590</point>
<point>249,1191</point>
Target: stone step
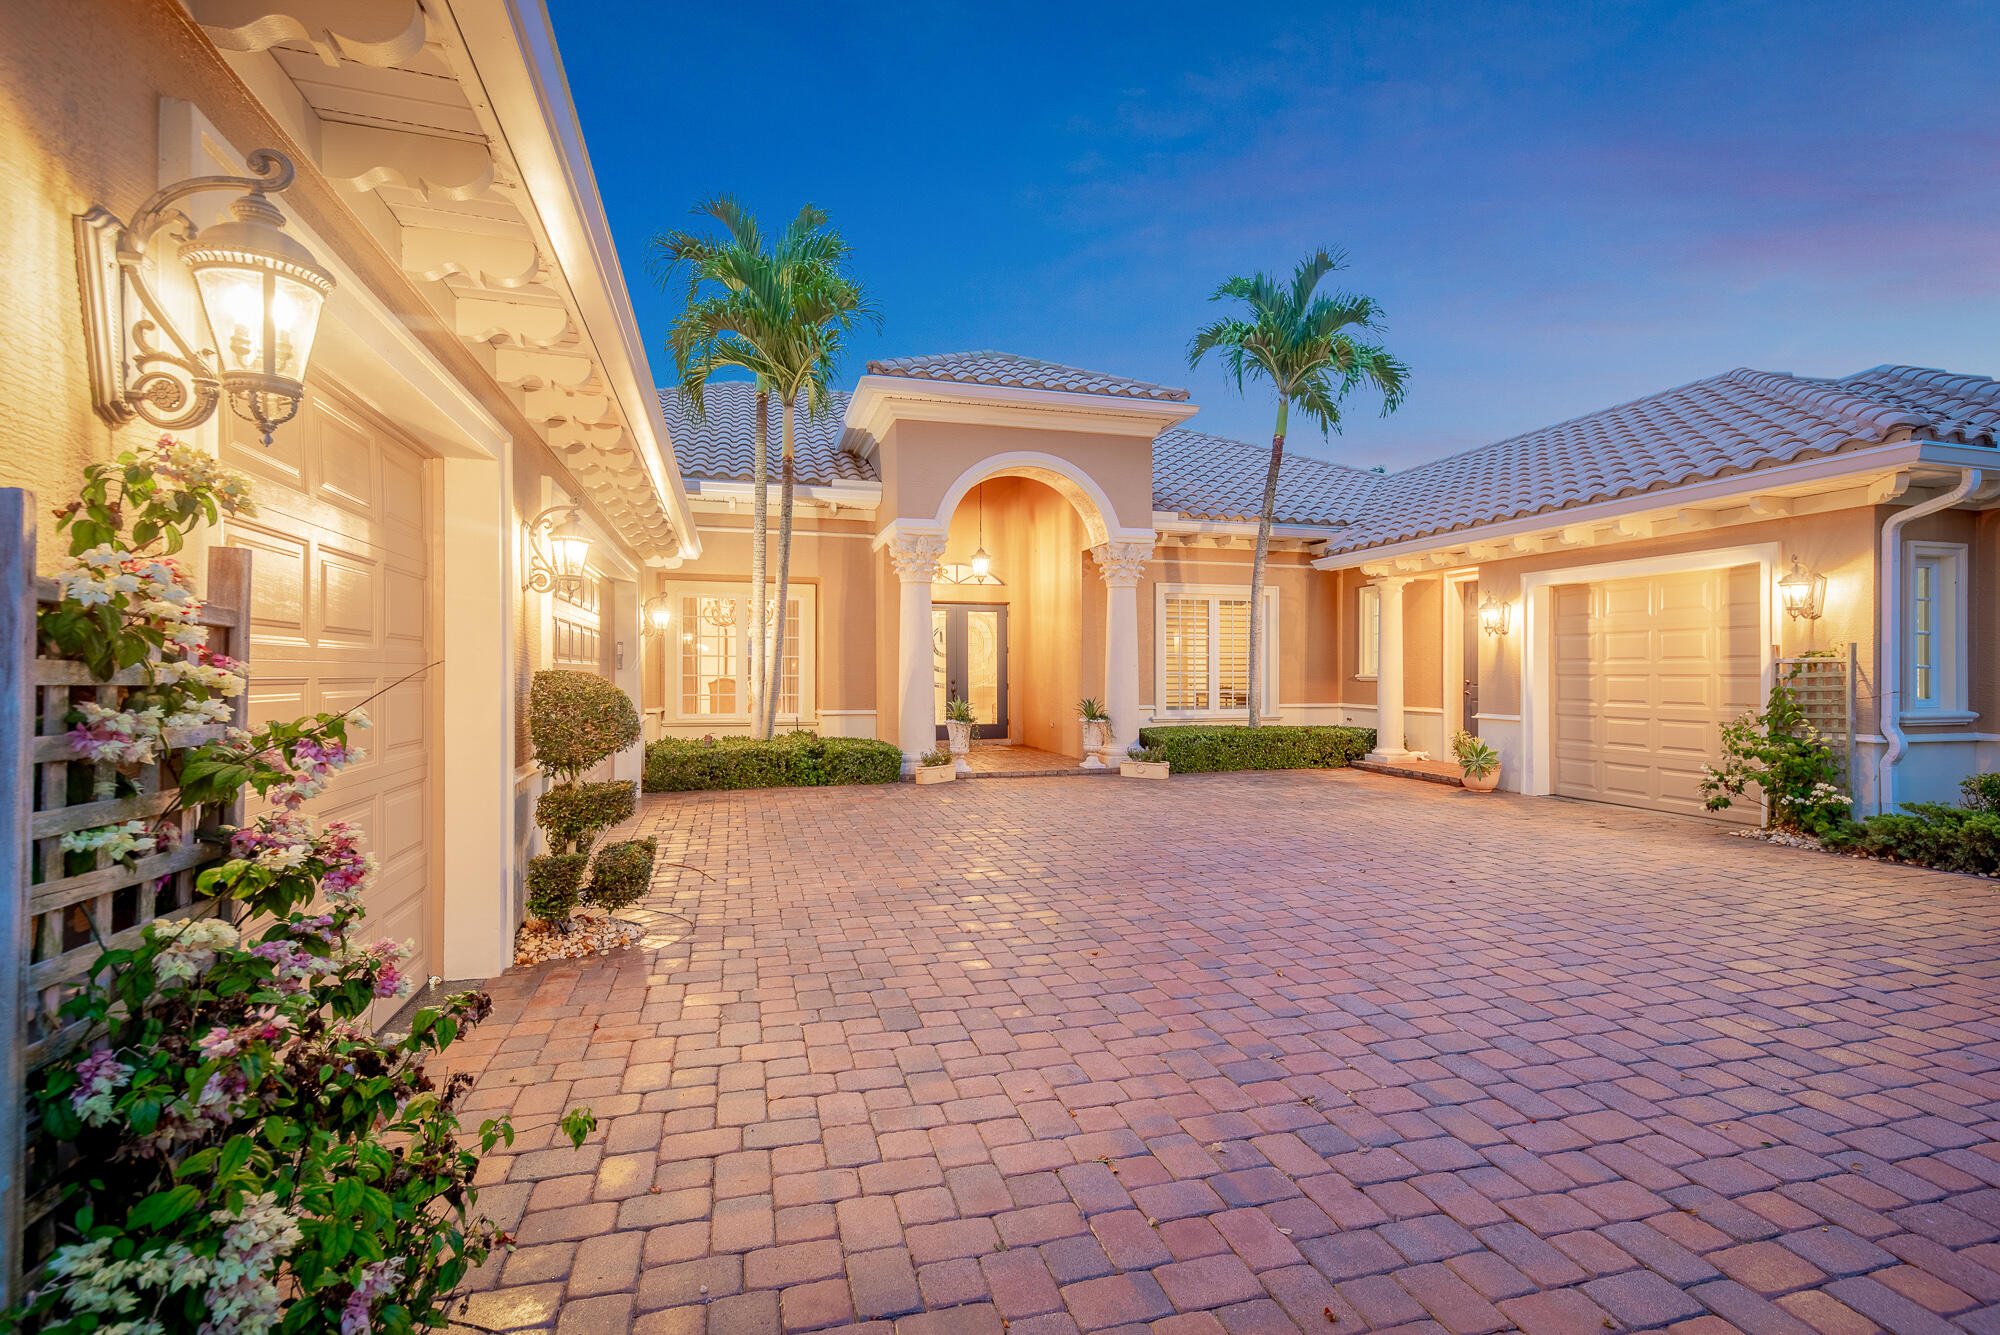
<point>1426,771</point>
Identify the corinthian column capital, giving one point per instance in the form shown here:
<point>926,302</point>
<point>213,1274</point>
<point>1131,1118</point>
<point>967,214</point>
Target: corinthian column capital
<point>917,556</point>
<point>1122,564</point>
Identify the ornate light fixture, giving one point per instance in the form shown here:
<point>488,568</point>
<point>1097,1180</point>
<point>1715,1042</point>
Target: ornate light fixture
<point>982,564</point>
<point>260,289</point>
<point>1493,615</point>
<point>1804,592</point>
<point>557,560</point>
<point>657,615</point>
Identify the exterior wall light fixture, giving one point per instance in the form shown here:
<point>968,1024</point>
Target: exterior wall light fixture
<point>1493,615</point>
<point>261,291</point>
<point>557,559</point>
<point>1804,592</point>
<point>657,614</point>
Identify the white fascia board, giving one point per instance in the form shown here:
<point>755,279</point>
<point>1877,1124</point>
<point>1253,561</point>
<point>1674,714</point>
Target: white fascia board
<point>879,400</point>
<point>1855,464</point>
<point>855,495</point>
<point>1172,521</point>
<point>512,48</point>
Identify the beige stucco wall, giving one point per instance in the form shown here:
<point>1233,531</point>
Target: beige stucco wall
<point>1308,633</point>
<point>919,461</point>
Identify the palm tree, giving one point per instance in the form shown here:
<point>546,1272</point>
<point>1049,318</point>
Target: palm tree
<point>780,315</point>
<point>1305,345</point>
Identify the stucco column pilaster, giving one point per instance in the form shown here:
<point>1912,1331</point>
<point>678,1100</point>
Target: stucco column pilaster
<point>1122,565</point>
<point>916,557</point>
<point>1389,724</point>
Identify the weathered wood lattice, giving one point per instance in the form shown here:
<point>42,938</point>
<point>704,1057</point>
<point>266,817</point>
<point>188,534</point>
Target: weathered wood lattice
<point>1824,685</point>
<point>63,915</point>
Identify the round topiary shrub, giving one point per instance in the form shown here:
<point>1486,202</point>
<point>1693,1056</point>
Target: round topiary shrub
<point>572,813</point>
<point>553,884</point>
<point>575,720</point>
<point>622,874</point>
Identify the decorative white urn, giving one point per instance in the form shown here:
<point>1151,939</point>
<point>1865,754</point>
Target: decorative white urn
<point>1096,743</point>
<point>960,735</point>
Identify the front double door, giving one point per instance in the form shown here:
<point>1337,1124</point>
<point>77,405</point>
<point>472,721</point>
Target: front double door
<point>969,653</point>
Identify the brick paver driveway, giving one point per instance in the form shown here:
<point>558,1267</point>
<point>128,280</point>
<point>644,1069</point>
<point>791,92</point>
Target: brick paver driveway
<point>1326,1052</point>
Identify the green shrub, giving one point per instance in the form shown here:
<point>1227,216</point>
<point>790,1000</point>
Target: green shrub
<point>1980,792</point>
<point>1782,753</point>
<point>1206,748</point>
<point>798,760</point>
<point>576,720</point>
<point>553,881</point>
<point>1151,755</point>
<point>572,814</point>
<point>1929,834</point>
<point>934,758</point>
<point>621,875</point>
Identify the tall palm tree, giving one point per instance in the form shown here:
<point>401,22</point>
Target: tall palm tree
<point>779,314</point>
<point>1306,346</point>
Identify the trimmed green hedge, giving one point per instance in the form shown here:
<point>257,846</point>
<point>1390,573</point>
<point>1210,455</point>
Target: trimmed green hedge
<point>622,874</point>
<point>798,760</point>
<point>1207,748</point>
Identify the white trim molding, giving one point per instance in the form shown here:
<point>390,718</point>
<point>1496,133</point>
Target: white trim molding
<point>1937,572</point>
<point>1272,708</point>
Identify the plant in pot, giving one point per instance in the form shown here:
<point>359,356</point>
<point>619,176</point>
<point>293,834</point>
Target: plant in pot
<point>576,721</point>
<point>934,766</point>
<point>1096,732</point>
<point>1144,762</point>
<point>958,729</point>
<point>1478,762</point>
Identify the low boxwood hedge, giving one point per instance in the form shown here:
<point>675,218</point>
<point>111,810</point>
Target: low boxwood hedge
<point>1201,748</point>
<point>796,760</point>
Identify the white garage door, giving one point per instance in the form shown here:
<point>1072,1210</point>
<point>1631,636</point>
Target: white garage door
<point>342,609</point>
<point>1646,673</point>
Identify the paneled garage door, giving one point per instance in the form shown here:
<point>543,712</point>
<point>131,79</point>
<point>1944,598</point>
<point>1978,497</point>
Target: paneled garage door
<point>1646,673</point>
<point>342,609</point>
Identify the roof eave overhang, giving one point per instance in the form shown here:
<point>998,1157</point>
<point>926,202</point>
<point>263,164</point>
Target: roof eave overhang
<point>1911,458</point>
<point>1174,521</point>
<point>880,401</point>
<point>513,54</point>
<point>856,495</point>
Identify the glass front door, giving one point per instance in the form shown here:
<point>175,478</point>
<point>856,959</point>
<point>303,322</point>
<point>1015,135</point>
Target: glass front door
<point>969,658</point>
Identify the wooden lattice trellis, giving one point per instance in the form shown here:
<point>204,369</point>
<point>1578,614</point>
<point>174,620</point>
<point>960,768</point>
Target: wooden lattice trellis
<point>62,916</point>
<point>1824,685</point>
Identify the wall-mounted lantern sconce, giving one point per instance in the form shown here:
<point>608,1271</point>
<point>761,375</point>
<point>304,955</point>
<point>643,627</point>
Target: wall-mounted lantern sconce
<point>260,289</point>
<point>657,614</point>
<point>557,560</point>
<point>1493,615</point>
<point>1804,592</point>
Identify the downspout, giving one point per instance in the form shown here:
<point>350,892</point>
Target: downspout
<point>1889,662</point>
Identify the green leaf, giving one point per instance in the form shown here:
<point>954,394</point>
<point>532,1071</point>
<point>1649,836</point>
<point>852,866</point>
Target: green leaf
<point>162,1208</point>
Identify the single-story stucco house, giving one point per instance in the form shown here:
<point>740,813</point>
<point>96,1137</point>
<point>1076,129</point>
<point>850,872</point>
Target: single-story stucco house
<point>1628,565</point>
<point>1594,598</point>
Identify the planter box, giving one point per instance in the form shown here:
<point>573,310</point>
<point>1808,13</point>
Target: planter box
<point>1143,769</point>
<point>936,773</point>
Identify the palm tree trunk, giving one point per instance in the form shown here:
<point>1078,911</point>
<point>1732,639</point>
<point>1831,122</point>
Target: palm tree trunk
<point>1255,691</point>
<point>788,471</point>
<point>760,514</point>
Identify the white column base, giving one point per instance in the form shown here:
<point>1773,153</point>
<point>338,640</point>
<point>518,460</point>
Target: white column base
<point>1389,757</point>
<point>1091,762</point>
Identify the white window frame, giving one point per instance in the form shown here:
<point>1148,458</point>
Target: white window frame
<point>1268,697</point>
<point>1368,632</point>
<point>808,600</point>
<point>1947,562</point>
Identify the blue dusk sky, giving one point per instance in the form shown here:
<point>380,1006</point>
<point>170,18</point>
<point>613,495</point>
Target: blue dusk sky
<point>1558,208</point>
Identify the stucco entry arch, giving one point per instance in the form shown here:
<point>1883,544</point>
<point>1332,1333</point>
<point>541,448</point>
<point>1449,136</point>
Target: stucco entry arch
<point>1073,484</point>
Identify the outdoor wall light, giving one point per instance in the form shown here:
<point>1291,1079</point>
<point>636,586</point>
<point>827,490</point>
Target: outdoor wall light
<point>557,560</point>
<point>657,614</point>
<point>1493,615</point>
<point>261,292</point>
<point>1804,592</point>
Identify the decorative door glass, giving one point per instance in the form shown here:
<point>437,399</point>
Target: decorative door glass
<point>969,658</point>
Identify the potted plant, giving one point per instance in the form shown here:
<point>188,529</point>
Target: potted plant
<point>1478,763</point>
<point>1144,762</point>
<point>958,728</point>
<point>1096,732</point>
<point>934,766</point>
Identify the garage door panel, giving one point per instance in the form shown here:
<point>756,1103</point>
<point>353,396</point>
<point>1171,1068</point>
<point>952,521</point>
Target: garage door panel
<point>1658,664</point>
<point>342,610</point>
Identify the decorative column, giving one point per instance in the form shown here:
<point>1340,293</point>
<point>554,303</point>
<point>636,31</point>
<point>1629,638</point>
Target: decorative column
<point>1121,565</point>
<point>1389,726</point>
<point>916,557</point>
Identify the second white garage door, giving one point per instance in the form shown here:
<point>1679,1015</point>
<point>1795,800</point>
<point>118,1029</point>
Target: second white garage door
<point>1646,673</point>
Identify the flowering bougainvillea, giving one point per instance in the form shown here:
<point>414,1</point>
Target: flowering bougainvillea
<point>252,1156</point>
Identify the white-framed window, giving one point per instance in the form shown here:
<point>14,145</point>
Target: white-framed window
<point>1368,632</point>
<point>709,672</point>
<point>1203,650</point>
<point>1934,589</point>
